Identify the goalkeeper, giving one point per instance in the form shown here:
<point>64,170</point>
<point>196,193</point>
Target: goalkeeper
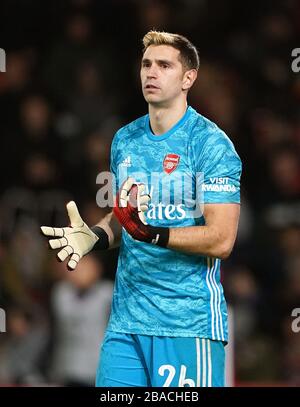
<point>168,323</point>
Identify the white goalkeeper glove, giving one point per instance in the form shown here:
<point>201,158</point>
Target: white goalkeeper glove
<point>76,240</point>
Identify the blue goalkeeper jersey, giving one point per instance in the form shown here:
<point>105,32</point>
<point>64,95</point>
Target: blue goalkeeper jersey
<point>159,291</point>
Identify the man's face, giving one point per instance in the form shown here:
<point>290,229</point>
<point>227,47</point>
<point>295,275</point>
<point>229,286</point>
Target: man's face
<point>161,75</point>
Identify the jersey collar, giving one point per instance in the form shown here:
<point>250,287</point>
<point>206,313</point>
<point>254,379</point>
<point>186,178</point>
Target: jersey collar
<point>164,136</point>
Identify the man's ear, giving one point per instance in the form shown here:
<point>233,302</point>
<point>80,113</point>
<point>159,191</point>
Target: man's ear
<point>189,78</point>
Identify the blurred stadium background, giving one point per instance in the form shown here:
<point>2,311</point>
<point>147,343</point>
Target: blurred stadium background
<point>71,80</point>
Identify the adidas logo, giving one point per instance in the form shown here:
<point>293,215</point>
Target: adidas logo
<point>126,162</point>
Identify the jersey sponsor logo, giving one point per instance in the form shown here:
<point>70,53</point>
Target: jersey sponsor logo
<point>180,194</point>
<point>218,180</point>
<point>218,188</point>
<point>170,212</point>
<point>218,184</point>
<point>171,162</point>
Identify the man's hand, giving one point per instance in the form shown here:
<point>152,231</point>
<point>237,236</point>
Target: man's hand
<point>76,240</point>
<point>129,209</point>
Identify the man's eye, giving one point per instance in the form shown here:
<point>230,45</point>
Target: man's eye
<point>165,66</point>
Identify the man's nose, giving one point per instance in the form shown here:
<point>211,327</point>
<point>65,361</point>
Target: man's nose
<point>152,72</point>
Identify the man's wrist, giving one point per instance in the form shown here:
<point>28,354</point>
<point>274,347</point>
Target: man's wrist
<point>103,240</point>
<point>160,236</point>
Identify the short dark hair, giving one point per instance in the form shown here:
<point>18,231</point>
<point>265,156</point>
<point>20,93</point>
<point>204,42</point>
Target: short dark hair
<point>189,56</point>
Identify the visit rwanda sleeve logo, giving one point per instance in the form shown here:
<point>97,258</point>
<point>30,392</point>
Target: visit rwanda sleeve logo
<point>171,162</point>
<point>218,184</point>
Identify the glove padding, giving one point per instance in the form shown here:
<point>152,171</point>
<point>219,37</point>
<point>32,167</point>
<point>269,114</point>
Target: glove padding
<point>75,241</point>
<point>129,209</point>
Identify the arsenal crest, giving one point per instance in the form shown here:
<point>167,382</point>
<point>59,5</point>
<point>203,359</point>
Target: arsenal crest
<point>171,162</point>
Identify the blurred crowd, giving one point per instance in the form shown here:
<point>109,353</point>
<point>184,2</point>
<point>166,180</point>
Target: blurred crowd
<point>72,79</point>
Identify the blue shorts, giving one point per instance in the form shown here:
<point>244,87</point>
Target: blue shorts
<point>160,361</point>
